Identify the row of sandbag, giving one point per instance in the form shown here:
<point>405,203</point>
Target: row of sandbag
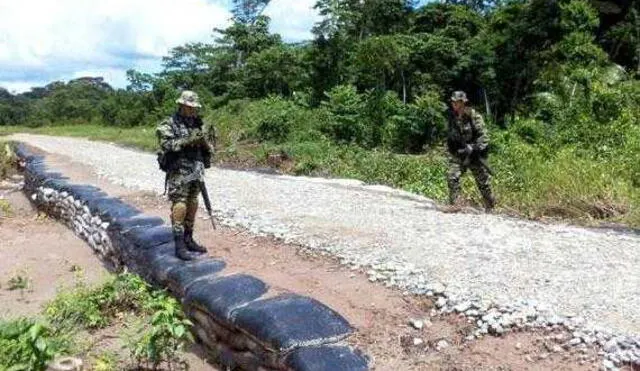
<point>234,316</point>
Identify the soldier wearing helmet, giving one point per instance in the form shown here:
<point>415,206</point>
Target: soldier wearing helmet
<point>467,143</point>
<point>186,153</point>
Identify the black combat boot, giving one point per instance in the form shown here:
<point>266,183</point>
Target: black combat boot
<point>191,244</point>
<point>181,247</point>
<point>489,203</point>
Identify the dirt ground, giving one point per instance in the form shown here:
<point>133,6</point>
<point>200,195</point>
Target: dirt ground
<point>51,255</point>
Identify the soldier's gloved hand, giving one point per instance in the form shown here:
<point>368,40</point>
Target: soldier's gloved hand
<point>196,137</point>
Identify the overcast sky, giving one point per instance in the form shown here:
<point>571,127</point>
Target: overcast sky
<point>47,40</point>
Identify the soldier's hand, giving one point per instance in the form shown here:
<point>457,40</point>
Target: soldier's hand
<point>195,137</point>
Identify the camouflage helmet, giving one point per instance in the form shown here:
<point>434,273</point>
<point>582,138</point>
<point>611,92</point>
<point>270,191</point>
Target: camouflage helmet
<point>459,96</point>
<point>189,98</point>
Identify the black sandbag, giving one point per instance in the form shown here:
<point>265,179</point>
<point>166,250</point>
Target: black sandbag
<point>137,221</point>
<point>58,184</point>
<point>288,321</point>
<point>109,208</point>
<point>183,276</point>
<point>134,244</point>
<point>36,166</point>
<point>153,264</point>
<point>160,267</point>
<point>23,153</point>
<point>327,358</point>
<point>144,238</point>
<point>84,192</point>
<point>220,296</point>
<point>143,257</point>
<point>37,170</point>
<point>53,176</point>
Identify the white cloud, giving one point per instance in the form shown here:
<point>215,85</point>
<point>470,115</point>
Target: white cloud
<point>80,30</point>
<point>17,87</point>
<point>47,40</point>
<point>293,19</point>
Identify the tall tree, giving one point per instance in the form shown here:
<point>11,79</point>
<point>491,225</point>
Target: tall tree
<point>248,11</point>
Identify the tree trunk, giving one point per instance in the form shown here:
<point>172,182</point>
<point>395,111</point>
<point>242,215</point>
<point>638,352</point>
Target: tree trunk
<point>573,92</point>
<point>486,103</point>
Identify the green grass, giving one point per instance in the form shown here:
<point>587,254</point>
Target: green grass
<point>125,299</point>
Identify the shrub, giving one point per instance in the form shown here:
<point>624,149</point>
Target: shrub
<point>345,106</point>
<point>418,124</point>
<point>97,307</point>
<point>28,345</point>
<point>167,334</point>
<point>274,119</point>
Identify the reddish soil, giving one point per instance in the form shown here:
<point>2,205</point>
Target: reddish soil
<point>380,315</point>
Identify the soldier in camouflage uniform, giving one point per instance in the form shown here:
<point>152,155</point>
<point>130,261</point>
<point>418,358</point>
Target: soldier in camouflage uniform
<point>467,143</point>
<point>182,140</point>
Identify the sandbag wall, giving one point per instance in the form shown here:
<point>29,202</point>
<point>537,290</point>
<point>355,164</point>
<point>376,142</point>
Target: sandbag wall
<point>234,316</point>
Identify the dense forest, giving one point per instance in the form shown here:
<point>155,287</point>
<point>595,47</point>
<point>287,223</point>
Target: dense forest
<point>557,81</point>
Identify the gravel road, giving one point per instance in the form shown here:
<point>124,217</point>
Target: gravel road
<point>405,242</point>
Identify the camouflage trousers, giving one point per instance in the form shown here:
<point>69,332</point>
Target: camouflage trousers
<point>483,180</point>
<point>184,202</point>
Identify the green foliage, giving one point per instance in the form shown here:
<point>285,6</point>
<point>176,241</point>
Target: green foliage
<point>416,125</point>
<point>275,121</point>
<point>277,70</point>
<point>97,307</point>
<point>27,345</point>
<point>7,159</point>
<point>106,362</point>
<point>345,106</point>
<point>563,183</point>
<point>167,334</point>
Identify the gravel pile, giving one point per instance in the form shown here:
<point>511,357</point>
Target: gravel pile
<point>502,273</point>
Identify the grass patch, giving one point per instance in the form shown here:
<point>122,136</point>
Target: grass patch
<point>18,282</point>
<point>5,209</point>
<point>7,159</point>
<point>159,329</point>
<point>29,344</point>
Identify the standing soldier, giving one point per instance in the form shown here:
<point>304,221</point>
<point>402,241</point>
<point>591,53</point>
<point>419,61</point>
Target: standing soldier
<point>467,142</point>
<point>184,154</point>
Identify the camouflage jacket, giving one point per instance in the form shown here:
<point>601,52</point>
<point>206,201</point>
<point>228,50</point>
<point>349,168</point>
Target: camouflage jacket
<point>172,135</point>
<point>467,129</point>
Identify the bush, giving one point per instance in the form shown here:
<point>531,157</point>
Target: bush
<point>167,335</point>
<point>418,124</point>
<point>28,345</point>
<point>345,106</point>
<point>274,119</point>
<point>97,307</point>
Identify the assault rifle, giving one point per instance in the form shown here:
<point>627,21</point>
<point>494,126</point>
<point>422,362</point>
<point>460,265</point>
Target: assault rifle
<point>207,202</point>
<point>480,159</point>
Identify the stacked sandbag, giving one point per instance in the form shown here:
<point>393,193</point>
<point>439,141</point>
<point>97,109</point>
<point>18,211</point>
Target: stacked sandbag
<point>235,318</point>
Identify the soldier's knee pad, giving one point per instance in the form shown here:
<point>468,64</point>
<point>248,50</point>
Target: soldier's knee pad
<point>178,212</point>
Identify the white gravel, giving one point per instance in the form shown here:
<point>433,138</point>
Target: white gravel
<point>402,240</point>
